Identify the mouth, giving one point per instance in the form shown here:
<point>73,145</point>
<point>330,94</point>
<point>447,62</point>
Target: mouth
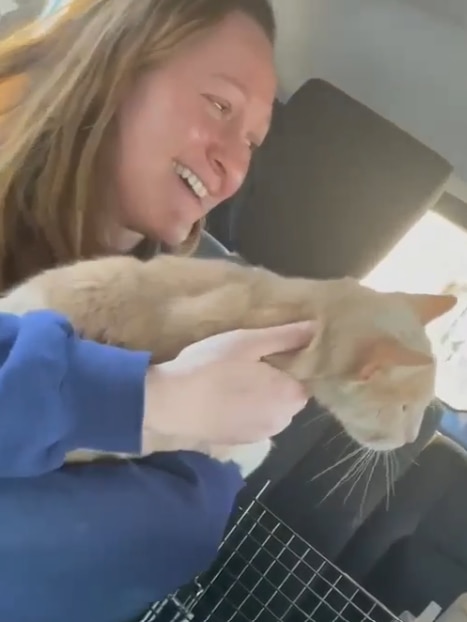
<point>380,444</point>
<point>191,180</point>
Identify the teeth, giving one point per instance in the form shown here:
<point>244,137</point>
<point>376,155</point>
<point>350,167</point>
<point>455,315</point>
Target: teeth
<point>192,179</point>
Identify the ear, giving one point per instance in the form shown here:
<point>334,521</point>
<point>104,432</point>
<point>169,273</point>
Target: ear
<point>428,307</point>
<point>384,353</point>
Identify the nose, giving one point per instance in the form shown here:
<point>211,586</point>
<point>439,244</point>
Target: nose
<point>230,160</point>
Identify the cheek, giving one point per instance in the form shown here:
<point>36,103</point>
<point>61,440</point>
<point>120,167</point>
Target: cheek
<point>152,120</point>
<point>402,426</point>
<point>198,129</point>
<point>381,423</point>
<point>149,135</point>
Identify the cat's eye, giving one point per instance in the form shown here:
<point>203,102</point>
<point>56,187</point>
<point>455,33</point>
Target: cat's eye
<point>404,408</point>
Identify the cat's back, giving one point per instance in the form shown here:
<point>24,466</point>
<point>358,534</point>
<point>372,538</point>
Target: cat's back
<point>91,282</point>
<point>126,301</point>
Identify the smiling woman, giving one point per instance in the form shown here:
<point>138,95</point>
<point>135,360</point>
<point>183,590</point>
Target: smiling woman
<point>137,132</point>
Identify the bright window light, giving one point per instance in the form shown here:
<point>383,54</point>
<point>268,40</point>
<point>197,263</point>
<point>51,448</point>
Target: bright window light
<point>432,254</point>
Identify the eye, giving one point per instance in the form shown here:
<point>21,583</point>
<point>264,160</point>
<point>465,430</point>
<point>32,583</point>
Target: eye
<point>224,108</point>
<point>405,408</point>
<point>221,105</point>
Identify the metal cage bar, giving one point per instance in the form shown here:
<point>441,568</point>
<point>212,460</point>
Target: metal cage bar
<point>266,572</point>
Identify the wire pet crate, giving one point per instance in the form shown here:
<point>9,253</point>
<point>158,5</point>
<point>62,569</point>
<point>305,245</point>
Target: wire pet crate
<point>265,572</point>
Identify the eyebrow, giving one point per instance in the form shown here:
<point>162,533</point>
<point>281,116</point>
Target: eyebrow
<point>233,81</point>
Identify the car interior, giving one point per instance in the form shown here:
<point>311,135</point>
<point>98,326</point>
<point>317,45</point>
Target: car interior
<point>369,137</point>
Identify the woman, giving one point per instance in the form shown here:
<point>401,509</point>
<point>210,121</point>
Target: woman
<point>123,125</point>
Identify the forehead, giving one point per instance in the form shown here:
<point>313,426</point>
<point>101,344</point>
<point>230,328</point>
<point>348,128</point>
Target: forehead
<point>236,48</point>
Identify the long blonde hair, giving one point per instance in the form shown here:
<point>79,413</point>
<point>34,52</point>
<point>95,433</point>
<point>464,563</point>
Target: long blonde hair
<point>60,89</point>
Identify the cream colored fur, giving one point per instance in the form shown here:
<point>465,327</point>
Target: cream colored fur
<point>371,364</point>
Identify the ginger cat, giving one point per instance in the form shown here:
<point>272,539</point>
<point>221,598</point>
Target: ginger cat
<point>370,364</point>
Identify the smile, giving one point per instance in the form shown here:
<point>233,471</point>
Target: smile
<point>191,180</point>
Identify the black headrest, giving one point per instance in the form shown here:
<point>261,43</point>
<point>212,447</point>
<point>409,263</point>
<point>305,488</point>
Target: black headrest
<point>334,187</point>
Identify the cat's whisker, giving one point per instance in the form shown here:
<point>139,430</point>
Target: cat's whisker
<point>387,477</point>
<point>395,470</point>
<point>364,463</point>
<point>346,447</point>
<point>322,414</point>
<point>350,473</point>
<point>356,470</point>
<point>375,456</point>
<point>360,466</point>
<point>342,479</point>
<point>335,437</point>
<point>314,421</point>
<point>390,475</point>
<point>338,463</point>
<point>391,471</point>
<point>343,454</point>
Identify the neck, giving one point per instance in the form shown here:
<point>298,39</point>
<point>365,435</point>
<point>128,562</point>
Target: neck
<point>127,240</point>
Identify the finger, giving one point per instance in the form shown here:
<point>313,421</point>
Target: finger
<point>260,342</point>
<point>289,391</point>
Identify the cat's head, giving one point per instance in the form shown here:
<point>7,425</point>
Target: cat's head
<point>373,365</point>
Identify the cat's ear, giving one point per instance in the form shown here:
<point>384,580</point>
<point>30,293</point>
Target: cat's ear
<point>428,307</point>
<point>385,353</point>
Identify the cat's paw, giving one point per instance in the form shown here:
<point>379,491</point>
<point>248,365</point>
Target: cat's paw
<point>248,457</point>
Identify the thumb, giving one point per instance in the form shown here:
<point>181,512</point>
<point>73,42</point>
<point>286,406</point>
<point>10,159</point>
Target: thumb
<point>260,342</point>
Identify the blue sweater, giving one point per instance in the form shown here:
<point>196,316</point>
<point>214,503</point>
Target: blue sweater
<point>94,542</point>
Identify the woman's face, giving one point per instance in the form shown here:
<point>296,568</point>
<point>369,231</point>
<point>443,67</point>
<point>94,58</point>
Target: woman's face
<point>187,131</point>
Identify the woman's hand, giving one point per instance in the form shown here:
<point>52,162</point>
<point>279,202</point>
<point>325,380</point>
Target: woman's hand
<point>219,391</point>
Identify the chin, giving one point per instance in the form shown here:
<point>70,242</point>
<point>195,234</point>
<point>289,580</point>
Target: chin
<point>175,235</point>
<point>377,443</point>
<point>382,445</point>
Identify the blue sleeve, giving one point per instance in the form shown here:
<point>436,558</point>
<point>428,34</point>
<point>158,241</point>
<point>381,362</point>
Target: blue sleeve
<point>59,393</point>
<point>101,542</point>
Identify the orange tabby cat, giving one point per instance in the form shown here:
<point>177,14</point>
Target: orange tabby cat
<point>370,365</point>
